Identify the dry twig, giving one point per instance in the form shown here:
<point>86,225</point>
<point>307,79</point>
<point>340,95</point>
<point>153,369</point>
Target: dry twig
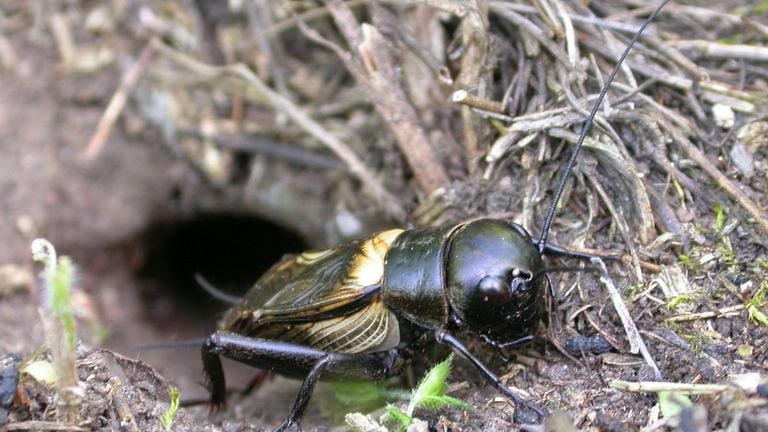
<point>473,74</point>
<point>117,103</point>
<point>40,425</point>
<point>724,312</point>
<point>655,387</point>
<point>636,342</point>
<point>701,159</point>
<point>711,49</point>
<point>374,68</point>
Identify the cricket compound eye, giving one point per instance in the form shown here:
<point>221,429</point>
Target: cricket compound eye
<point>494,290</point>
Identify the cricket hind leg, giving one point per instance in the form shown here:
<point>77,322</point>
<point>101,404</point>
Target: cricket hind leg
<point>293,360</point>
<point>214,375</point>
<point>305,392</point>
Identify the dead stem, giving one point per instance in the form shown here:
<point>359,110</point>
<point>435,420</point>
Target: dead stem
<point>719,50</point>
<point>636,343</point>
<point>374,68</point>
<point>698,156</point>
<point>117,103</point>
<point>655,387</point>
<point>307,16</point>
<point>474,75</point>
<point>40,425</point>
<point>463,97</point>
<point>621,223</point>
<point>724,312</point>
<point>677,58</point>
<point>531,28</point>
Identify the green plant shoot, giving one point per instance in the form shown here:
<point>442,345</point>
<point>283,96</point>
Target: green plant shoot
<point>678,300</point>
<point>360,396</point>
<point>430,394</point>
<point>671,404</point>
<point>720,218</point>
<point>167,419</point>
<point>756,302</point>
<point>59,324</point>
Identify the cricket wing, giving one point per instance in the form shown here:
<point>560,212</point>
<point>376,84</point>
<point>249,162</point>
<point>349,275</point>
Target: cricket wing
<point>314,286</point>
<point>371,328</point>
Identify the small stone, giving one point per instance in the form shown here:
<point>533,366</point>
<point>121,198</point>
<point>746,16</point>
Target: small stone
<point>744,351</point>
<point>742,159</point>
<point>724,116</point>
<point>14,278</point>
<point>349,225</point>
<point>42,371</point>
<point>418,425</point>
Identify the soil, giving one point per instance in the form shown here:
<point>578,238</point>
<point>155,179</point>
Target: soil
<point>132,218</point>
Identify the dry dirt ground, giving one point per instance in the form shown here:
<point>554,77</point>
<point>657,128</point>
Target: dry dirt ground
<point>154,206</point>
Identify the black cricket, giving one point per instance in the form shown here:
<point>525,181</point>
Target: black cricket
<point>359,310</point>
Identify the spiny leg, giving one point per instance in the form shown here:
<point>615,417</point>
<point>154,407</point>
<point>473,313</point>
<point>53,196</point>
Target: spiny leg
<point>553,311</point>
<point>216,383</point>
<point>457,347</point>
<point>291,359</point>
<point>214,374</point>
<point>305,392</point>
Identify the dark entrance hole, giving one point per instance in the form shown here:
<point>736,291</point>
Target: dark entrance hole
<point>231,251</point>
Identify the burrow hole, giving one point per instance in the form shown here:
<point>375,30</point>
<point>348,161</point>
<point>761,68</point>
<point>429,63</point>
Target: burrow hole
<point>231,251</point>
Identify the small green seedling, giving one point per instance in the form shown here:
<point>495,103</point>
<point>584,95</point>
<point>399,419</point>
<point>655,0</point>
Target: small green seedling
<point>167,419</point>
<point>671,404</point>
<point>57,276</point>
<point>761,7</point>
<point>757,301</point>
<point>430,394</point>
<point>359,396</point>
<point>678,300</point>
<point>720,218</point>
<point>59,324</point>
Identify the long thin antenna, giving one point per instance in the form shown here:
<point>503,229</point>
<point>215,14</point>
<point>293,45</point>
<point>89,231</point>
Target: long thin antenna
<point>587,128</point>
<point>215,292</point>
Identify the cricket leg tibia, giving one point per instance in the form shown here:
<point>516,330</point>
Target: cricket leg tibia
<point>302,399</point>
<point>214,374</point>
<point>446,338</point>
<point>292,360</point>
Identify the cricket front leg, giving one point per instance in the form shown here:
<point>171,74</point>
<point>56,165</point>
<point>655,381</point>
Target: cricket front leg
<point>446,338</point>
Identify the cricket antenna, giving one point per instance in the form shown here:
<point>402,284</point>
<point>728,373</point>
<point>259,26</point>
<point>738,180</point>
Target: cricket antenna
<point>215,292</point>
<point>587,128</point>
